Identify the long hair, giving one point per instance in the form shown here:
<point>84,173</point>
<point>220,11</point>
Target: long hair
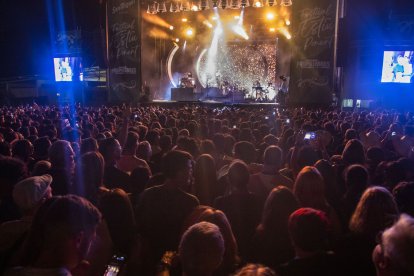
<point>309,188</point>
<point>91,175</point>
<point>280,203</point>
<point>376,210</point>
<point>217,217</point>
<point>117,211</point>
<point>353,153</point>
<point>205,179</point>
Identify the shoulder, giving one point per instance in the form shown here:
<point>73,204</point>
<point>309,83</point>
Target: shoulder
<point>191,198</point>
<point>152,191</point>
<point>140,161</point>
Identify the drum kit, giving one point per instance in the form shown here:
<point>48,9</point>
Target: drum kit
<point>187,81</point>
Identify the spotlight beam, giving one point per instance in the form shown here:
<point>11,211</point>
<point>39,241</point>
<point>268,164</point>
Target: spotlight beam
<point>238,28</point>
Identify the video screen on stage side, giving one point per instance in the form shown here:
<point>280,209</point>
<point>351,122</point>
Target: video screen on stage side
<point>397,67</point>
<point>68,69</point>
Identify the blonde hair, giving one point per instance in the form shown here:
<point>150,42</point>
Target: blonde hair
<point>217,217</point>
<point>376,210</point>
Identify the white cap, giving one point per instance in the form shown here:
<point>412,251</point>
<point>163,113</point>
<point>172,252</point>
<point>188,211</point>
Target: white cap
<point>30,191</point>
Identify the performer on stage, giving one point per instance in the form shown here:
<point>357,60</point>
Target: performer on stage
<point>187,81</point>
<point>282,93</point>
<point>257,84</point>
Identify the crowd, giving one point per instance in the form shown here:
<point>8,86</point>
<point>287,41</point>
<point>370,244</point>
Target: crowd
<point>197,190</point>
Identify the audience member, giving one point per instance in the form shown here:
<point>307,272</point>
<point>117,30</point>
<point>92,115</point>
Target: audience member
<point>29,194</point>
<point>271,244</point>
<point>255,270</point>
<point>161,210</point>
<point>309,232</point>
<point>60,236</point>
<point>262,183</point>
<point>206,187</point>
<point>113,176</point>
<point>241,207</point>
<point>201,249</point>
<point>62,158</point>
<point>395,249</point>
<point>11,172</point>
<point>230,258</point>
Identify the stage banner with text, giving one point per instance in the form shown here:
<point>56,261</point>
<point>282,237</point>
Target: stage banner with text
<point>124,50</point>
<point>313,45</point>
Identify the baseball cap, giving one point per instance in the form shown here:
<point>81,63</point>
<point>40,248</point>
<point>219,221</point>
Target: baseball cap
<point>28,192</point>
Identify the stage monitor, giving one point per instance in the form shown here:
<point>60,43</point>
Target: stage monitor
<point>397,67</point>
<point>68,69</point>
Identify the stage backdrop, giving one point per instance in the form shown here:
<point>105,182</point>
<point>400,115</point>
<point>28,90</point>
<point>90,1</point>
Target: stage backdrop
<point>313,42</point>
<point>124,51</point>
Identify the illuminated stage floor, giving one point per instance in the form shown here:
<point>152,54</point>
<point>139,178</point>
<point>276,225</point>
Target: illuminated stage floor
<point>215,103</point>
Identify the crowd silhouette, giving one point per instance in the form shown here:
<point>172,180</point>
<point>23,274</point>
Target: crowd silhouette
<point>199,190</point>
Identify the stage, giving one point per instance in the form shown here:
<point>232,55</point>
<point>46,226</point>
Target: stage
<point>213,103</point>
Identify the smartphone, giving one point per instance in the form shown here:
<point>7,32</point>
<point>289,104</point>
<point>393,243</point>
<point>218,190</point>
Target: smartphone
<point>234,126</point>
<point>267,117</point>
<point>67,123</point>
<point>115,265</point>
<point>274,113</point>
<point>287,121</point>
<point>393,133</point>
<point>310,136</point>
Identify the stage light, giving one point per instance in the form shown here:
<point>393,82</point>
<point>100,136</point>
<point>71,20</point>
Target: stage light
<point>184,19</point>
<point>208,24</point>
<point>162,7</point>
<point>244,3</point>
<point>238,28</point>
<point>272,30</point>
<point>270,16</point>
<point>234,4</point>
<point>286,3</point>
<point>240,31</point>
<point>204,5</point>
<point>270,3</point>
<point>287,21</point>
<point>171,28</point>
<point>194,7</point>
<point>258,4</point>
<point>156,20</point>
<point>286,33</point>
<point>174,7</point>
<point>158,33</point>
<point>212,51</point>
<point>218,31</point>
<point>154,8</point>
<point>185,7</point>
<point>189,32</point>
